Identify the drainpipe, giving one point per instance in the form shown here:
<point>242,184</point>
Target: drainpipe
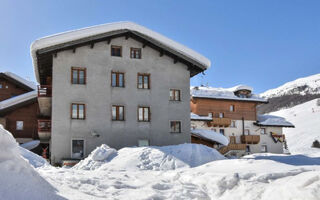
<point>242,125</point>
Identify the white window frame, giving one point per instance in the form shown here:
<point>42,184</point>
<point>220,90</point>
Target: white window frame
<point>17,128</point>
<point>84,147</point>
<point>231,109</point>
<point>221,115</point>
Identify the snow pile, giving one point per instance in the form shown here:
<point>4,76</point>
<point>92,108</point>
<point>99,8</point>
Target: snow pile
<point>306,85</point>
<point>33,159</point>
<point>271,120</point>
<point>306,118</point>
<point>211,135</point>
<point>149,158</point>
<point>18,179</point>
<point>223,93</point>
<point>30,145</point>
<point>198,117</point>
<point>97,157</point>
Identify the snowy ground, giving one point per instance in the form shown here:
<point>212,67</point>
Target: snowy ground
<point>172,172</point>
<point>306,118</point>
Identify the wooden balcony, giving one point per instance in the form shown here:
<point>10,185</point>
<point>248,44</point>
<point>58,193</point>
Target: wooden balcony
<point>44,90</point>
<point>232,147</point>
<point>220,122</point>
<point>250,139</point>
<point>44,129</point>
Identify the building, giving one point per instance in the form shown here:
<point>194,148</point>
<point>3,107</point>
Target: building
<point>119,84</point>
<point>232,112</point>
<point>19,108</point>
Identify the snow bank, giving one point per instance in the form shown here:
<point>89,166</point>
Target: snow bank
<point>97,157</point>
<point>30,145</point>
<point>223,93</point>
<point>271,120</point>
<point>33,159</point>
<point>18,179</point>
<point>211,135</point>
<point>149,158</point>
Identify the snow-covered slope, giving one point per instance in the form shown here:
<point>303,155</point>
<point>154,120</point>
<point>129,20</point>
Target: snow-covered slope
<point>306,118</point>
<point>302,86</point>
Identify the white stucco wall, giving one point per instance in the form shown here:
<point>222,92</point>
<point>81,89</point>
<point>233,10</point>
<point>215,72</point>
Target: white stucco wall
<point>99,96</point>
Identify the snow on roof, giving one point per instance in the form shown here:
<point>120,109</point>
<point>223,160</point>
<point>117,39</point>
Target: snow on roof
<point>21,80</point>
<point>272,120</point>
<point>198,117</point>
<point>223,93</point>
<point>17,99</point>
<point>211,135</point>
<point>242,87</point>
<point>70,36</point>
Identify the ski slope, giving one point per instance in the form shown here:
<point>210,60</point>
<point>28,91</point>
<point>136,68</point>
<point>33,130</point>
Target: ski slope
<point>306,118</point>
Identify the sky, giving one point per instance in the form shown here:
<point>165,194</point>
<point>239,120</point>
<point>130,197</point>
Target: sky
<point>263,44</point>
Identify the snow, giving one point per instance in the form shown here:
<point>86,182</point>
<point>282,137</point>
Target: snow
<point>149,158</point>
<point>211,135</point>
<point>243,87</point>
<point>97,158</point>
<point>69,36</point>
<point>30,145</point>
<point>271,120</point>
<point>32,158</point>
<point>17,99</point>
<point>312,83</point>
<point>306,118</point>
<point>222,93</point>
<point>198,117</point>
<point>18,178</point>
<point>21,80</point>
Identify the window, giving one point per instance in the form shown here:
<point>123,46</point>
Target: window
<point>262,131</point>
<point>7,87</point>
<point>144,114</point>
<point>233,124</point>
<point>144,81</point>
<point>247,148</point>
<point>78,75</point>
<point>135,53</point>
<point>221,115</point>
<point>0,86</point>
<point>77,149</point>
<point>143,143</point>
<point>231,108</point>
<point>221,131</point>
<point>117,113</point>
<point>175,126</point>
<point>174,95</point>
<point>246,131</point>
<point>117,79</point>
<point>210,115</point>
<point>116,51</point>
<point>78,111</point>
<point>19,125</point>
<point>264,148</point>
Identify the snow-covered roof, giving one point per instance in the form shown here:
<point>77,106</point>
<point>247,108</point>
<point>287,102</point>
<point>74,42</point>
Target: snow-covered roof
<point>114,28</point>
<point>198,117</point>
<point>17,99</point>
<point>272,120</point>
<point>211,135</point>
<point>23,81</point>
<point>223,93</point>
<point>242,87</point>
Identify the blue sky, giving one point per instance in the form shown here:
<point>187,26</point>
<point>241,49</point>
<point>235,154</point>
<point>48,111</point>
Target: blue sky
<point>261,43</point>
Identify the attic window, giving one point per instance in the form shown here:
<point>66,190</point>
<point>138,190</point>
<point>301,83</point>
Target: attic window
<point>135,53</point>
<point>116,51</point>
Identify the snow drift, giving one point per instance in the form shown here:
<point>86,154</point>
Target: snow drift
<point>149,158</point>
<point>18,178</point>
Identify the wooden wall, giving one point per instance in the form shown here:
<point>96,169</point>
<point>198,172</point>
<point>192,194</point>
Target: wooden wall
<point>28,114</point>
<point>12,90</point>
<point>203,106</point>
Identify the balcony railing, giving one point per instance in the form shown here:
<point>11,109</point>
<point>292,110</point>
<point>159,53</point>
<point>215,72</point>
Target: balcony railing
<point>220,122</point>
<point>250,139</point>
<point>233,147</point>
<point>44,90</point>
<point>44,125</point>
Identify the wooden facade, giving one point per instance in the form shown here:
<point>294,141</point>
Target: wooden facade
<point>9,89</point>
<point>242,109</point>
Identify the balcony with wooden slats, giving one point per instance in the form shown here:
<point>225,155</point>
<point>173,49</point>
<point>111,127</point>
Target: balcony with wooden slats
<point>232,147</point>
<point>44,99</point>
<point>220,122</point>
<point>250,139</point>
